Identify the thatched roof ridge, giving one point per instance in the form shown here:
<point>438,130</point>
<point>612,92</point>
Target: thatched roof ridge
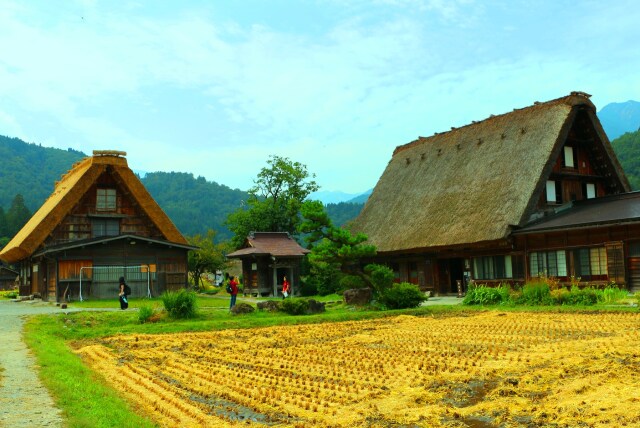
<point>68,191</point>
<point>471,184</point>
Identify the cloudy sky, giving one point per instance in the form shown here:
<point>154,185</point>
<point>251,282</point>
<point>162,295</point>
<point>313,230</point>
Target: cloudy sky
<point>215,87</point>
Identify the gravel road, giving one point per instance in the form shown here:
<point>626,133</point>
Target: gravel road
<point>24,401</point>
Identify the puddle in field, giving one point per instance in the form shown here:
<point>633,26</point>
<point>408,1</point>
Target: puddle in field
<point>232,411</point>
<point>469,394</point>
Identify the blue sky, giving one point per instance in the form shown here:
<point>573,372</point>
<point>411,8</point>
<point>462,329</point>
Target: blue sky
<point>215,87</point>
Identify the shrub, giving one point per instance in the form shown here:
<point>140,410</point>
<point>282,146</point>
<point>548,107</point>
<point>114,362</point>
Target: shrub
<point>347,282</point>
<point>586,296</point>
<point>308,287</point>
<point>559,296</point>
<point>294,306</point>
<point>381,277</point>
<point>145,313</point>
<point>180,304</point>
<point>536,293</point>
<point>402,296</point>
<point>483,295</point>
<point>10,294</point>
<point>324,279</point>
<point>612,294</point>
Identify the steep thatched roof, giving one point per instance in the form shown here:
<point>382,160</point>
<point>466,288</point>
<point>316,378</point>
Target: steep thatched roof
<point>70,189</point>
<point>277,244</point>
<point>470,185</point>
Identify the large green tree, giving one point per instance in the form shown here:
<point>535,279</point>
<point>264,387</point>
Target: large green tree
<point>209,257</point>
<point>274,201</point>
<point>334,246</point>
<point>18,215</point>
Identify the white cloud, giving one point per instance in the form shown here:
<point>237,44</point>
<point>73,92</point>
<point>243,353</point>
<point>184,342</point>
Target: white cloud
<point>339,99</point>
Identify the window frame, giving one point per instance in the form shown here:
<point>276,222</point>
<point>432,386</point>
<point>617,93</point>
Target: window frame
<point>550,263</point>
<point>106,199</point>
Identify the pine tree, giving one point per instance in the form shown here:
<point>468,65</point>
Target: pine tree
<point>4,227</point>
<point>18,215</point>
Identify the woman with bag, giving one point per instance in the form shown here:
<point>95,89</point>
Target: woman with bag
<point>285,288</point>
<point>124,291</point>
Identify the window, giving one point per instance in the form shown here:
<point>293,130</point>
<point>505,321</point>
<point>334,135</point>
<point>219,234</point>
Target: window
<point>590,190</point>
<point>105,227</point>
<point>106,200</point>
<point>569,161</point>
<point>497,267</point>
<point>590,262</point>
<point>551,191</point>
<point>550,263</point>
<point>554,192</point>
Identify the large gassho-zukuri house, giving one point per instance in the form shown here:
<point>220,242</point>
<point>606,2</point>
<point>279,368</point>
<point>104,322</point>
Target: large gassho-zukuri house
<point>100,223</point>
<point>537,191</point>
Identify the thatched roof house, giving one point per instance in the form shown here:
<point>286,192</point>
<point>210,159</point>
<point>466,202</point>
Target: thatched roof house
<point>267,257</point>
<point>461,193</point>
<point>99,203</point>
<point>474,183</point>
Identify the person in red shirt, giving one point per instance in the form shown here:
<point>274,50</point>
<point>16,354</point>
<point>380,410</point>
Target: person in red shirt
<point>233,283</point>
<point>285,288</point>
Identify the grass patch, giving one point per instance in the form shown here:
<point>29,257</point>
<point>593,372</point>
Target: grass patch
<point>83,396</point>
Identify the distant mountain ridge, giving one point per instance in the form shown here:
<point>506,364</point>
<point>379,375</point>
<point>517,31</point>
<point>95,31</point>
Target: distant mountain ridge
<point>620,118</point>
<point>335,197</point>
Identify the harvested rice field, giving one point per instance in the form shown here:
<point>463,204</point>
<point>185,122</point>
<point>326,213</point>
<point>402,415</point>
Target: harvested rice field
<point>487,369</point>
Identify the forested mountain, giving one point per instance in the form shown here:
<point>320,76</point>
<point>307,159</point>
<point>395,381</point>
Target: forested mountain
<point>194,204</point>
<point>343,212</point>
<point>627,148</point>
<point>31,170</point>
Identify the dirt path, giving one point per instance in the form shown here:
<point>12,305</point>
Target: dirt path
<point>24,401</point>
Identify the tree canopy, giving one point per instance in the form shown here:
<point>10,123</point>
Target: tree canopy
<point>274,201</point>
<point>208,258</point>
<point>334,246</point>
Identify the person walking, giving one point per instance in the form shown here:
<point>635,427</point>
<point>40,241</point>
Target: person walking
<point>286,289</point>
<point>124,291</point>
<point>233,283</point>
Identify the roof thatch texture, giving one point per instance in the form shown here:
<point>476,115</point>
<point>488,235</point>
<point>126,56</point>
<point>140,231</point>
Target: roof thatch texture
<point>277,244</point>
<point>70,189</point>
<point>471,184</point>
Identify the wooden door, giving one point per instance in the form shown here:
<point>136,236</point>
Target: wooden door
<point>633,264</point>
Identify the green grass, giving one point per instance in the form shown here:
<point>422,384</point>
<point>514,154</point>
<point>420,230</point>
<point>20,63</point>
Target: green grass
<point>85,398</point>
<point>203,301</point>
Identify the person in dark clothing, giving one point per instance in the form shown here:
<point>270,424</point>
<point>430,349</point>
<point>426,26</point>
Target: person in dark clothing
<point>124,291</point>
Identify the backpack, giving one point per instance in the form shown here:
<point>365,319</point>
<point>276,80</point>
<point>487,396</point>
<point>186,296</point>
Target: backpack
<point>127,290</point>
<point>229,289</point>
